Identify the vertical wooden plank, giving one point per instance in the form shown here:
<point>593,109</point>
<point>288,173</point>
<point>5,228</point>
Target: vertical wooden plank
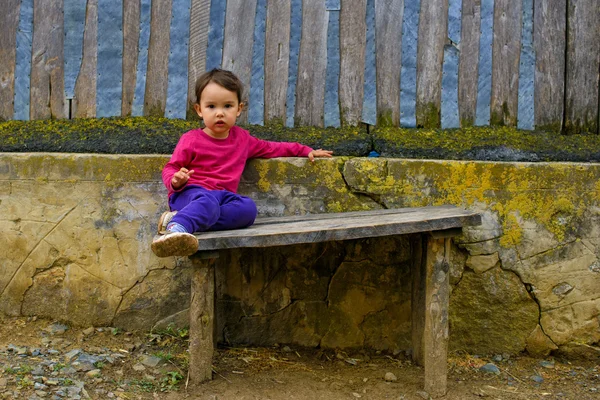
<point>47,79</point>
<point>433,28</point>
<point>23,61</point>
<point>131,36</point>
<point>84,102</point>
<point>526,111</point>
<point>295,36</point>
<point>435,331</point>
<point>199,23</point>
<point>312,64</point>
<point>549,40</point>
<point>388,39</point>
<point>109,88</point>
<point>155,97</point>
<point>238,39</point>
<point>505,55</point>
<point>277,57</point>
<point>331,111</point>
<point>177,79</point>
<point>74,15</point>
<point>369,105</point>
<point>583,58</point>
<point>408,72</point>
<point>256,95</point>
<point>418,297</point>
<point>9,21</point>
<point>353,40</point>
<point>137,108</point>
<point>449,96</point>
<point>484,72</point>
<point>469,62</point>
<point>202,319</point>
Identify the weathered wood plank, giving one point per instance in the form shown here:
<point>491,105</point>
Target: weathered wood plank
<point>433,28</point>
<point>131,36</point>
<point>469,61</point>
<point>84,102</point>
<point>435,330</point>
<point>199,24</point>
<point>9,21</point>
<point>155,97</point>
<point>583,58</point>
<point>388,44</point>
<point>506,52</point>
<point>341,226</point>
<point>47,78</point>
<point>239,37</point>
<point>312,64</point>
<point>353,38</point>
<point>277,58</point>
<point>202,319</point>
<point>549,40</point>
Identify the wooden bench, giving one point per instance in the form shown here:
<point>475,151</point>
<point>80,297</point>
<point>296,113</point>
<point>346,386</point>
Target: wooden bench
<point>431,229</point>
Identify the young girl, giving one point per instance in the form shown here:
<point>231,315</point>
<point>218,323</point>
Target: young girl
<point>204,171</point>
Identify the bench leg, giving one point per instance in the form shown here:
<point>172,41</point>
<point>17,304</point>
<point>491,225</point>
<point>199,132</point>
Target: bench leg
<point>202,319</point>
<point>430,297</point>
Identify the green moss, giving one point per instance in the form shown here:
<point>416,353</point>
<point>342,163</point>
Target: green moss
<point>486,143</point>
<point>428,116</point>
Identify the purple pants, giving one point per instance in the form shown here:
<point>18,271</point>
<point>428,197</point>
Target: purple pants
<point>200,210</point>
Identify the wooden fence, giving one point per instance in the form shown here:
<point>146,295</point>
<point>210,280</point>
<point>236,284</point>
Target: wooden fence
<point>433,63</point>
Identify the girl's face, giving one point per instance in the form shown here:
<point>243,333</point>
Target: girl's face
<point>219,108</point>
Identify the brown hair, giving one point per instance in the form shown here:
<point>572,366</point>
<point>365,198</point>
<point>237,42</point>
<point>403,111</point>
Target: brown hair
<point>221,77</point>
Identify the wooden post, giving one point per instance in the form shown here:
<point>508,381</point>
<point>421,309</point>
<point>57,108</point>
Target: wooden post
<point>430,298</point>
<point>202,317</point>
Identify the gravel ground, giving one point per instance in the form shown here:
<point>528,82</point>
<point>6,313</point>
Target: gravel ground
<point>41,359</point>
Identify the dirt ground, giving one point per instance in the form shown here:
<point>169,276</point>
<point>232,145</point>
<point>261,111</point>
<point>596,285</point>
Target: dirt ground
<point>39,359</point>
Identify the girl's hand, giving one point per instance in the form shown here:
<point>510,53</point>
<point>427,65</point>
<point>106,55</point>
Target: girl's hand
<point>180,178</point>
<point>319,153</point>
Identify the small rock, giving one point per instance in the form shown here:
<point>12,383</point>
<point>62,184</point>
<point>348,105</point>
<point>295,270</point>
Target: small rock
<point>138,367</point>
<point>390,377</point>
<point>547,364</point>
<point>537,379</point>
<point>423,394</point>
<point>93,373</point>
<point>490,368</point>
<point>72,354</point>
<point>37,371</point>
<point>356,395</point>
<point>150,361</point>
<point>286,349</point>
<point>89,331</point>
<point>56,329</point>
<point>497,358</point>
<point>149,377</point>
<point>3,382</point>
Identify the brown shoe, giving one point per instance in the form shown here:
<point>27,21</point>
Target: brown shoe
<point>175,244</point>
<point>164,220</point>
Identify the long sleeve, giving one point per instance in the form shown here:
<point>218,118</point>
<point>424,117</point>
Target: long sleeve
<point>258,148</point>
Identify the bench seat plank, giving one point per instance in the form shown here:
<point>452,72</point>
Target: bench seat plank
<point>316,228</point>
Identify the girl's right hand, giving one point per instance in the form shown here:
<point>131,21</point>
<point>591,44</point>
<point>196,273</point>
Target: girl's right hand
<point>180,178</point>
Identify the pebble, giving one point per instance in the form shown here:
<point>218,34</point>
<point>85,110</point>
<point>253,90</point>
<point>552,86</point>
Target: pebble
<point>423,394</point>
<point>390,377</point>
<point>490,368</point>
<point>547,364</point>
<point>150,361</point>
<point>537,379</point>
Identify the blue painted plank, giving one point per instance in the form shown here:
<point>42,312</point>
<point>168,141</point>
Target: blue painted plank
<point>408,70</point>
<point>295,35</point>
<point>142,66</point>
<point>256,111</point>
<point>74,12</point>
<point>177,81</point>
<point>526,111</point>
<point>23,61</point>
<point>333,5</point>
<point>332,73</point>
<point>216,32</point>
<point>449,106</point>
<point>369,109</point>
<point>110,59</point>
<point>484,79</point>
<point>449,111</point>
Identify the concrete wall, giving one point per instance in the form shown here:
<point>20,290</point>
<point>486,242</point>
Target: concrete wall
<point>76,232</point>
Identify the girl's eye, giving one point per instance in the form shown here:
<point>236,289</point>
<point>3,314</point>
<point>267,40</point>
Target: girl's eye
<point>228,106</point>
<point>210,106</point>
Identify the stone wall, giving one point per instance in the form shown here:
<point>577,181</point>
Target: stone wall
<point>76,232</point>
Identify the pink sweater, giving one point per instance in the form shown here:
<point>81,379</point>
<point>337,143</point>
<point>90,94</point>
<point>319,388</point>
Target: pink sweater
<point>218,163</point>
